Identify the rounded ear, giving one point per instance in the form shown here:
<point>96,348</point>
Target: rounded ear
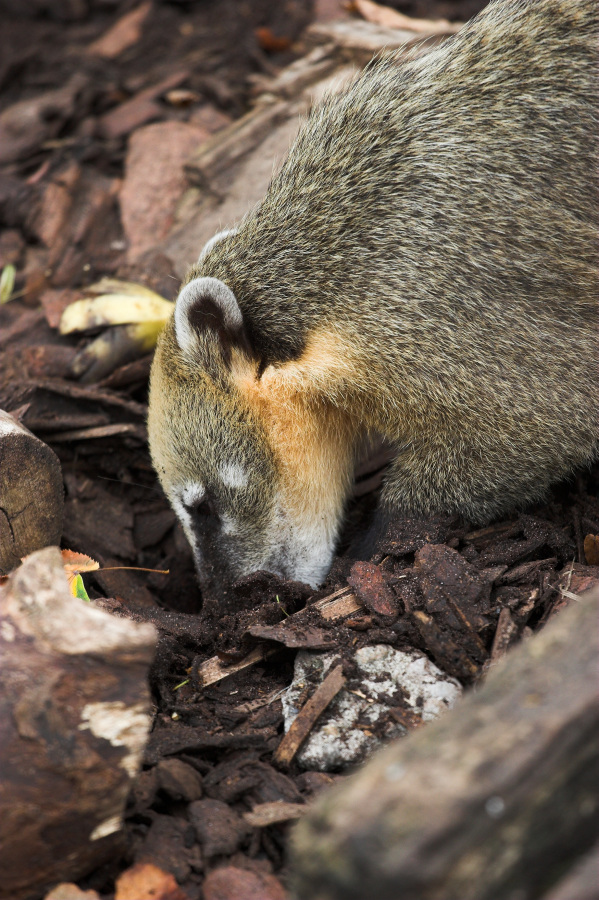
<point>207,304</point>
<point>215,240</point>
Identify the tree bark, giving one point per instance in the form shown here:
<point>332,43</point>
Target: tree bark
<point>75,713</point>
<point>31,494</point>
<point>496,800</point>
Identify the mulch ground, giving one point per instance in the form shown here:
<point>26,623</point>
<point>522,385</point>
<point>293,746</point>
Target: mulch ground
<point>461,595</point>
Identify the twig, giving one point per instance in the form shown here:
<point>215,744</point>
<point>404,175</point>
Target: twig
<point>273,812</point>
<point>304,722</point>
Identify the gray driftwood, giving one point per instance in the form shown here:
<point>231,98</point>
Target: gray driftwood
<point>496,800</point>
<point>31,494</point>
<point>74,708</point>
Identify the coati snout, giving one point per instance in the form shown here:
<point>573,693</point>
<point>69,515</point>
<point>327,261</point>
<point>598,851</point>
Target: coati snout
<point>423,267</point>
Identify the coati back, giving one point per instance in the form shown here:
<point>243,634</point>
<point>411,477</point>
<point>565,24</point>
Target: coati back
<point>423,267</point>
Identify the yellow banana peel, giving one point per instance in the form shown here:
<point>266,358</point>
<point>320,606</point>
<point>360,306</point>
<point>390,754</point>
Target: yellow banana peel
<point>113,348</point>
<point>118,303</point>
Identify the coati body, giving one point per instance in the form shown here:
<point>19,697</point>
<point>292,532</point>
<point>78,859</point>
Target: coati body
<point>423,267</point>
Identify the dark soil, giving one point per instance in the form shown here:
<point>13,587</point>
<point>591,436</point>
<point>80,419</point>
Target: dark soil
<point>214,745</point>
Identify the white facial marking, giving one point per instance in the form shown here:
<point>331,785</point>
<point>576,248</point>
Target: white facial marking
<point>192,494</point>
<point>218,293</point>
<point>233,475</point>
<point>220,236</point>
<point>185,518</point>
<point>228,524</point>
<point>181,503</point>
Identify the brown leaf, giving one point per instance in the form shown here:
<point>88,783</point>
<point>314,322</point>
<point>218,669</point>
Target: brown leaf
<point>270,42</point>
<point>124,33</point>
<point>74,563</point>
<point>147,881</point>
<point>231,883</point>
<point>69,891</point>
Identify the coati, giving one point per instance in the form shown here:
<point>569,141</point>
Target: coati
<point>423,267</point>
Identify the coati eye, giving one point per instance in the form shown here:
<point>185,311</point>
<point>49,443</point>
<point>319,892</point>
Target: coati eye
<point>197,502</point>
<point>202,507</point>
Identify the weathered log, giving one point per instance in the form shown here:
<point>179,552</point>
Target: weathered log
<point>497,799</point>
<point>232,143</point>
<point>31,494</point>
<point>74,707</point>
<point>582,882</point>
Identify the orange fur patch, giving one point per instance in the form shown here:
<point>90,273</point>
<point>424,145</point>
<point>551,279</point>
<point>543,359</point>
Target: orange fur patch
<point>312,437</point>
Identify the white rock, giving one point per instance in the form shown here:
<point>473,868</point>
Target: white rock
<point>344,735</point>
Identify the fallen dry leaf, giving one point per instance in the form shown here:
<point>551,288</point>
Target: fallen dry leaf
<point>231,883</point>
<point>74,562</point>
<point>270,42</point>
<point>70,891</point>
<point>147,882</point>
<point>390,18</point>
<point>123,34</point>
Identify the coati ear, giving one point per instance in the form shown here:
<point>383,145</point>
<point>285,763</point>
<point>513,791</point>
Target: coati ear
<point>207,304</point>
<point>220,236</point>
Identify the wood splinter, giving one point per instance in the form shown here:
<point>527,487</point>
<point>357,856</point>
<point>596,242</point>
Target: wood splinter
<point>339,605</point>
<point>304,722</point>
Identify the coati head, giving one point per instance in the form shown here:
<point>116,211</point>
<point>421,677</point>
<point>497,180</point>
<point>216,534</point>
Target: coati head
<point>255,467</point>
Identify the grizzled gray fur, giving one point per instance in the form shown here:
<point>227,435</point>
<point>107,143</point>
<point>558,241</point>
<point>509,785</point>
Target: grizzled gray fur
<point>423,267</point>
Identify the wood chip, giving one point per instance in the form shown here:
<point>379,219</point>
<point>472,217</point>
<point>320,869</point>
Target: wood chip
<point>264,814</point>
<point>505,635</point>
<point>338,605</point>
<point>294,635</point>
<point>444,651</point>
<point>304,722</point>
<point>213,669</point>
<point>235,141</point>
<point>369,584</point>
